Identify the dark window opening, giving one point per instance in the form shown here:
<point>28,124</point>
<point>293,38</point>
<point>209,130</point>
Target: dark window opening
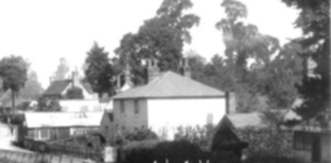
<point>136,107</point>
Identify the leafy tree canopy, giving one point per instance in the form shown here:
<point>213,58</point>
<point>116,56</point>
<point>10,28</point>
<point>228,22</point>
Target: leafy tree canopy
<point>99,71</point>
<point>32,88</point>
<point>75,93</point>
<point>13,72</point>
<point>161,37</point>
<point>62,70</point>
<point>314,20</point>
<point>254,63</point>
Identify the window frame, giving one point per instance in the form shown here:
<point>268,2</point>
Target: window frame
<point>44,134</point>
<point>122,106</point>
<point>136,106</point>
<point>302,141</point>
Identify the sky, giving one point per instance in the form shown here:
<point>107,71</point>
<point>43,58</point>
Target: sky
<point>43,31</point>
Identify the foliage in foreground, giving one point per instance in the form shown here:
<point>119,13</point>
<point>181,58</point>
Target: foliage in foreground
<point>262,141</point>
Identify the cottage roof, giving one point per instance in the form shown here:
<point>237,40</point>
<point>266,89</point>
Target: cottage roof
<point>62,119</point>
<point>242,120</point>
<point>57,87</point>
<point>225,136</point>
<point>171,85</point>
<point>320,123</point>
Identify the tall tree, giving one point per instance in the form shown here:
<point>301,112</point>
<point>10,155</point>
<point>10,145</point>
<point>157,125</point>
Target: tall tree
<point>13,71</point>
<point>99,71</point>
<point>62,70</point>
<point>314,20</point>
<point>32,88</point>
<point>161,37</point>
<point>254,63</point>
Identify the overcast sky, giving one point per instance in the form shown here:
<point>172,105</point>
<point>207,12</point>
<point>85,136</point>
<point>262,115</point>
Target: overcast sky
<point>42,31</point>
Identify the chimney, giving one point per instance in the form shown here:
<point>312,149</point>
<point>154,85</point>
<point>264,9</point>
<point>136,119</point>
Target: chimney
<point>152,69</point>
<point>127,78</point>
<point>118,82</point>
<point>186,68</point>
<point>230,102</point>
<point>75,78</point>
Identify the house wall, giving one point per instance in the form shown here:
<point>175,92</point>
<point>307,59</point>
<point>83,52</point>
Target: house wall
<point>166,115</point>
<point>53,133</point>
<point>326,148</point>
<point>304,152</point>
<point>127,119</point>
<point>57,133</point>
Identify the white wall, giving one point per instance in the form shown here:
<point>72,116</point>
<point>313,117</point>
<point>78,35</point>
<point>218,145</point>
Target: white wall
<point>172,113</point>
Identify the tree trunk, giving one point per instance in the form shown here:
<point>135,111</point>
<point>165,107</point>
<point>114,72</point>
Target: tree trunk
<point>13,94</point>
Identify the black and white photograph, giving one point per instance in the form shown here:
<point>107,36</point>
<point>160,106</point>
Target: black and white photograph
<point>165,81</point>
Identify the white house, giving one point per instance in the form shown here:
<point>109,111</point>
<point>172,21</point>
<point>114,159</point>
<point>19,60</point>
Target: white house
<point>168,101</point>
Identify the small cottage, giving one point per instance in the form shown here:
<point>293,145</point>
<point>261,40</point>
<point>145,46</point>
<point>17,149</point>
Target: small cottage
<point>168,101</point>
<point>59,88</point>
<point>312,139</point>
<point>45,126</point>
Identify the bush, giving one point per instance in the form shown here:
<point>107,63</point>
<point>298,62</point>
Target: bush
<point>270,159</point>
<point>201,136</point>
<point>75,93</point>
<point>138,134</point>
<point>267,141</point>
<point>174,152</point>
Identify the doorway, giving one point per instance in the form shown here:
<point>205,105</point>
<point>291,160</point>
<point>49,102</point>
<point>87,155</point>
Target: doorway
<point>316,149</point>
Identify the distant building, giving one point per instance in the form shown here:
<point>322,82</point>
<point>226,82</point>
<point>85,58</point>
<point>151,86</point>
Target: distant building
<point>244,120</point>
<point>58,89</point>
<point>45,126</point>
<point>167,101</point>
<point>312,139</point>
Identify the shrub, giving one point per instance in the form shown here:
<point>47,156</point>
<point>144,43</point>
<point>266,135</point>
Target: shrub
<point>270,159</point>
<point>75,93</point>
<point>149,151</point>
<point>201,136</point>
<point>138,134</point>
<point>267,141</point>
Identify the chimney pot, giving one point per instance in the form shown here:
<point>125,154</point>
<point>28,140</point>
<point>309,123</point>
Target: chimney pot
<point>152,69</point>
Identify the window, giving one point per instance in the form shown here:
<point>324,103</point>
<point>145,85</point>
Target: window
<point>210,118</point>
<point>136,106</point>
<point>302,141</point>
<point>122,107</point>
<point>43,133</point>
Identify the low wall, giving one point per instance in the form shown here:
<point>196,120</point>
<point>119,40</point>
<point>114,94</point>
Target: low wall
<point>22,157</point>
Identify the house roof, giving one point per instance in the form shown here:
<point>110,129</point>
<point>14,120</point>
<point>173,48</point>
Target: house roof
<point>62,119</point>
<point>225,136</point>
<point>320,123</point>
<point>57,87</point>
<point>242,120</point>
<point>171,85</point>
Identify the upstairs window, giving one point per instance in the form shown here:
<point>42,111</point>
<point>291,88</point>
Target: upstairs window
<point>122,107</point>
<point>136,106</point>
